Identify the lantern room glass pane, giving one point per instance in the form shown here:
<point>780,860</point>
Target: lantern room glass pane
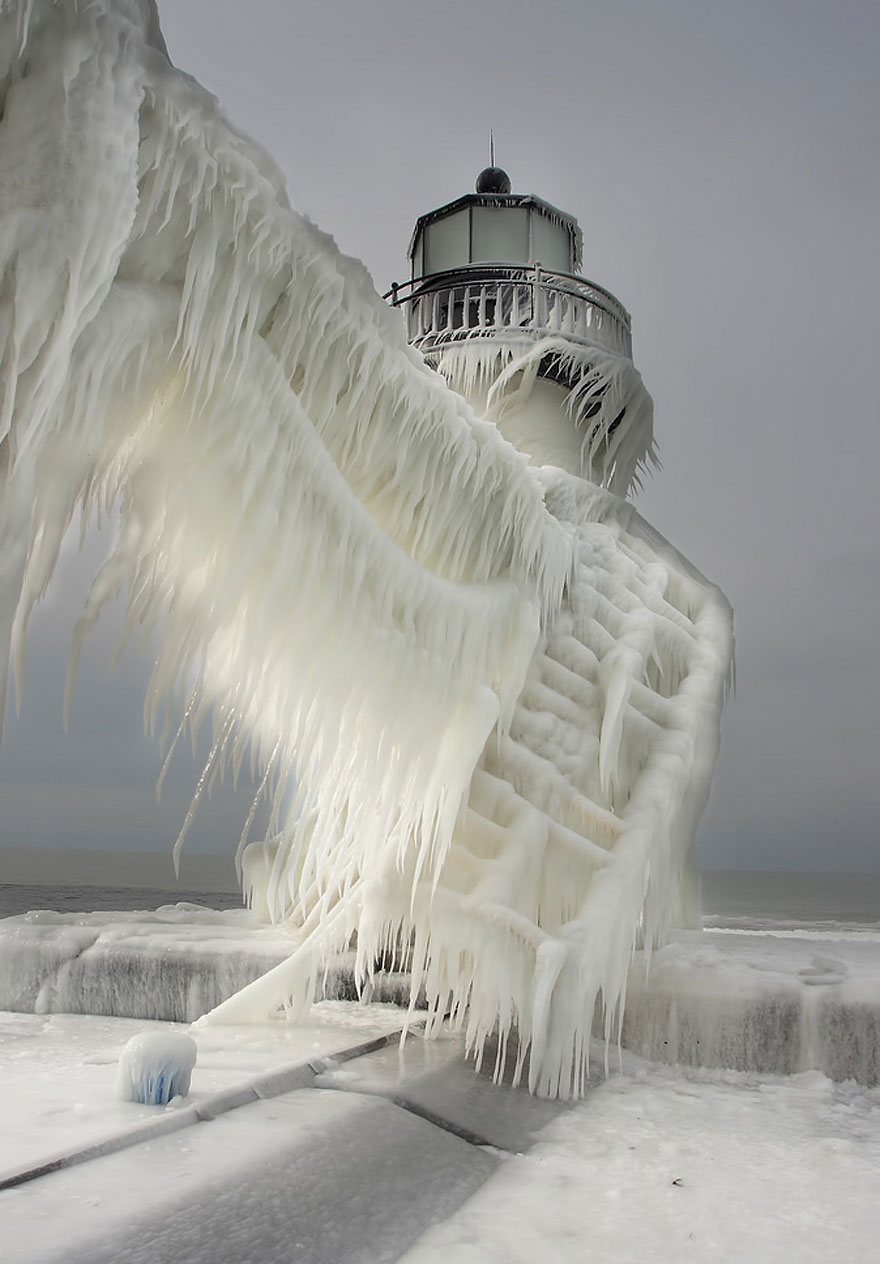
<point>417,269</point>
<point>551,244</point>
<point>446,243</point>
<point>500,234</point>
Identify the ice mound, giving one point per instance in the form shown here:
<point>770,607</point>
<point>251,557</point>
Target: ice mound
<point>156,1066</point>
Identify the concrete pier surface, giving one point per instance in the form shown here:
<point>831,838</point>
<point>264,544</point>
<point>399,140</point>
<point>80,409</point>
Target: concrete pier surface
<point>326,1143</point>
<point>278,1129</point>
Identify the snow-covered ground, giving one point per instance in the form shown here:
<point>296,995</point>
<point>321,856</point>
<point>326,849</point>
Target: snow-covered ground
<point>57,1087</point>
<point>661,1165</point>
<point>657,1163</point>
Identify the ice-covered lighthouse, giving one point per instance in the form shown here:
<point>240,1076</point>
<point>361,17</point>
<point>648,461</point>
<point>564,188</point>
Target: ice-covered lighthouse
<point>479,691</point>
<point>497,303</point>
<point>542,823</point>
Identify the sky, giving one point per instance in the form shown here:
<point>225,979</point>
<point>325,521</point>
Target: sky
<point>724,163</point>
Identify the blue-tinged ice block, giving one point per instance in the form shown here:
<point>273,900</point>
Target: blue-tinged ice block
<point>156,1066</point>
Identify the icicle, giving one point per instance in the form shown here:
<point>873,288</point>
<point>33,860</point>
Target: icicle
<point>602,393</point>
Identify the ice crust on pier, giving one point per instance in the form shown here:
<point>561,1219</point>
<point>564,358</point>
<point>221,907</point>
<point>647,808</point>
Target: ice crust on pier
<point>481,699</point>
<point>174,963</point>
<point>768,1003</point>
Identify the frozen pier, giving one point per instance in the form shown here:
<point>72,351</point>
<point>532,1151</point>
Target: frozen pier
<point>772,1003</point>
<point>330,1130</point>
<point>173,964</point>
<point>326,1140</point>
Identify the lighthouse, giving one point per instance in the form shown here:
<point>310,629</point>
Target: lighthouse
<point>497,303</point>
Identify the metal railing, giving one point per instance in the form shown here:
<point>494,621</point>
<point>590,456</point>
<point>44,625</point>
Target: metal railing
<point>500,301</point>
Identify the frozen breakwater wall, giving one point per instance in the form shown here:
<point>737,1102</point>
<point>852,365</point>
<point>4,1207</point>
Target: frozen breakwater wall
<point>174,964</point>
<point>769,1003</point>
<point>750,1002</point>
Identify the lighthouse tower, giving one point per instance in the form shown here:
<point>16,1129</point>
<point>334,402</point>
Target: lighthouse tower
<point>497,303</point>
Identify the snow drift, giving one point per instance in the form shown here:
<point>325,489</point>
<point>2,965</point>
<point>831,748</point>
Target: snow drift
<point>482,700</point>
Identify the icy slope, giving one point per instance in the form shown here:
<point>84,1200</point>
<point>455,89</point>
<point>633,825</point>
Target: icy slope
<point>347,568</point>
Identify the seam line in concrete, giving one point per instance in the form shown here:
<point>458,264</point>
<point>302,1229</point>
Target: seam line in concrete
<point>262,1087</point>
<point>413,1108</point>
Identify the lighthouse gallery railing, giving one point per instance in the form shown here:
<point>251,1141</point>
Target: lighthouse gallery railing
<point>500,300</point>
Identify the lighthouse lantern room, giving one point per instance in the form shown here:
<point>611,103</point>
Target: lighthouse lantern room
<point>496,303</point>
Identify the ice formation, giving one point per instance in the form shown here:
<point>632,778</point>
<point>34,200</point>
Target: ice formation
<point>499,378</point>
<point>156,1066</point>
<point>481,698</point>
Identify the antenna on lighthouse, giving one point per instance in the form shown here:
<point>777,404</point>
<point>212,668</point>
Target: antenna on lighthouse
<point>491,147</point>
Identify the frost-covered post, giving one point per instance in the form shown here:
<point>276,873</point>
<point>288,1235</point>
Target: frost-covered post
<point>155,1067</point>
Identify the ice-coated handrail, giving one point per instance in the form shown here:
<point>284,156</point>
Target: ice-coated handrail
<point>495,300</point>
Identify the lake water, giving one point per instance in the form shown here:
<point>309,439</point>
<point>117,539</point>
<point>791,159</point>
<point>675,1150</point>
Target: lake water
<point>735,901</point>
<point>22,897</point>
<point>791,901</point>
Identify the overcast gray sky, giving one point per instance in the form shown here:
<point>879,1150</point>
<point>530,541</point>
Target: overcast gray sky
<point>724,162</point>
